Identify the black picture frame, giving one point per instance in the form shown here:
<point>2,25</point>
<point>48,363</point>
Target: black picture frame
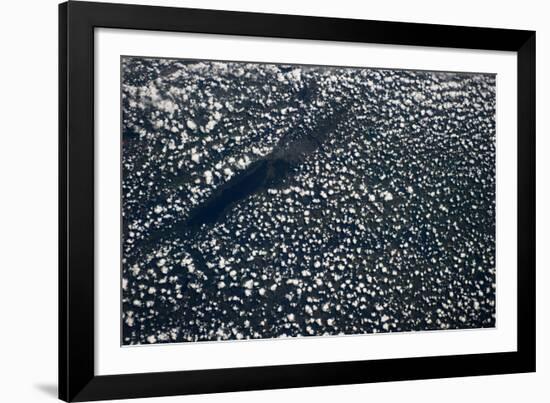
<point>77,379</point>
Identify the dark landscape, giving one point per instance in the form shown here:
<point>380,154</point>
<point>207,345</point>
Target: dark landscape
<point>267,200</point>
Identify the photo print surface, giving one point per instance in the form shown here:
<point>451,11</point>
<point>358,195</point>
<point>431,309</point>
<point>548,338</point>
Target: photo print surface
<point>272,200</point>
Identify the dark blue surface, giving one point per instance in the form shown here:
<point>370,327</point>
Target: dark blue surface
<point>275,200</point>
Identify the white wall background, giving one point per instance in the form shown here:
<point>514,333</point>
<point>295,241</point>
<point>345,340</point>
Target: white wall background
<point>28,202</point>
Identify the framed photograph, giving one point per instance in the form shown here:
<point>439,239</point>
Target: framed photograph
<point>257,201</point>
